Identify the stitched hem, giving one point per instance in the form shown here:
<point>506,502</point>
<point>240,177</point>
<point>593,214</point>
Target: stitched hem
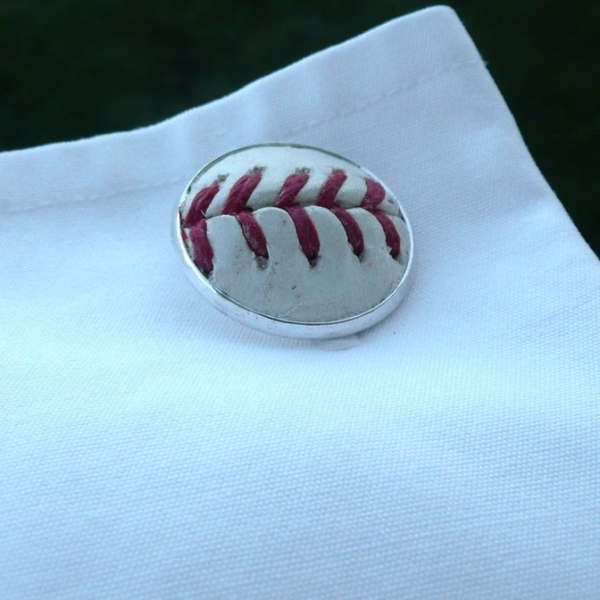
<point>364,104</point>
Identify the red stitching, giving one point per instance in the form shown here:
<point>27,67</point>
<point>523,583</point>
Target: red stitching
<point>240,193</point>
<point>330,189</point>
<point>373,198</point>
<point>254,235</point>
<point>308,237</point>
<point>374,195</point>
<point>203,252</point>
<point>291,188</point>
<point>307,232</point>
<point>392,237</point>
<point>353,231</point>
<point>305,228</point>
<point>200,205</point>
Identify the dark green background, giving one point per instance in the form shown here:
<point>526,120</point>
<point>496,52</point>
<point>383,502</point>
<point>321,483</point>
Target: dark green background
<point>74,68</point>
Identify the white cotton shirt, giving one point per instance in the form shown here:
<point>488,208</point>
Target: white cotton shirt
<point>152,448</point>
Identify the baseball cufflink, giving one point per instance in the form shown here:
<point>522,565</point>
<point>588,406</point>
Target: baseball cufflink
<point>294,241</point>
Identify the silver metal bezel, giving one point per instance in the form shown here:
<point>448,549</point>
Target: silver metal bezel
<point>276,326</point>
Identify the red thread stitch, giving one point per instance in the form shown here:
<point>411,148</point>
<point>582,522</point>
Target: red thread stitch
<point>308,237</point>
<point>200,205</point>
<point>330,189</point>
<point>374,196</point>
<point>352,228</point>
<point>240,193</point>
<point>306,230</point>
<point>203,252</point>
<point>291,188</point>
<point>392,237</point>
<point>326,199</point>
<point>253,234</point>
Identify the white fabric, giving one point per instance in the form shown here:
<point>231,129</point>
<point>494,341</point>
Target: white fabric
<point>151,448</point>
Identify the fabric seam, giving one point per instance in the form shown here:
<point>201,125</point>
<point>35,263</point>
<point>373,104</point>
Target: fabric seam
<point>356,109</point>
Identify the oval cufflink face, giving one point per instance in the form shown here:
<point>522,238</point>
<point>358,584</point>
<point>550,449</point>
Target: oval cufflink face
<point>294,241</point>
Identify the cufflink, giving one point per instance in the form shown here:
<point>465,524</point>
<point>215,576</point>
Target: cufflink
<point>294,241</point>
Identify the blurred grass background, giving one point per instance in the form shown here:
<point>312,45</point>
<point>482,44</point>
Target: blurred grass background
<point>73,68</point>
